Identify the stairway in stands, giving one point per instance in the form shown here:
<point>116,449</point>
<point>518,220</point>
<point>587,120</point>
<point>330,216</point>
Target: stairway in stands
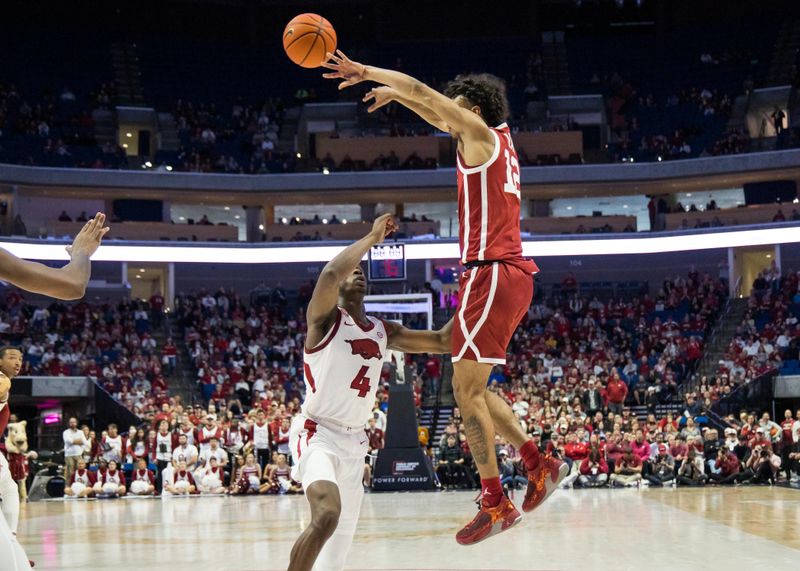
<point>720,339</point>
<point>640,410</point>
<point>182,380</point>
<point>435,421</point>
<point>554,60</point>
<point>782,68</point>
<point>127,75</point>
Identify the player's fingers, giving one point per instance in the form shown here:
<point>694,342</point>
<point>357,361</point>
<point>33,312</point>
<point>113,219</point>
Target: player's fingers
<point>99,233</point>
<point>370,95</point>
<point>345,83</point>
<point>340,53</point>
<point>333,57</point>
<point>329,65</point>
<point>332,75</point>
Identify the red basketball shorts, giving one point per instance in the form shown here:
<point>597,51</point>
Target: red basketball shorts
<point>493,299</point>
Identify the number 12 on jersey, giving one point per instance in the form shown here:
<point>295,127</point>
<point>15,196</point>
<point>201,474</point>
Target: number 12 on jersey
<point>511,185</point>
<point>361,383</point>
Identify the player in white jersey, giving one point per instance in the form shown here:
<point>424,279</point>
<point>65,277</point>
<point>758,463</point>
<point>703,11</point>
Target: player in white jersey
<point>343,359</point>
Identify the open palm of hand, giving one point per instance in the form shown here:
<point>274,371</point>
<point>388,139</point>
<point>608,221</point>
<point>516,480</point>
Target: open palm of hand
<point>344,68</point>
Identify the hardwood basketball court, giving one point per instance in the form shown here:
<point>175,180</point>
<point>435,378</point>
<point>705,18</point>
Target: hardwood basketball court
<point>630,529</point>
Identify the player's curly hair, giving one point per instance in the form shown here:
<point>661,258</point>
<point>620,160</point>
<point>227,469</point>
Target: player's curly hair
<point>484,90</point>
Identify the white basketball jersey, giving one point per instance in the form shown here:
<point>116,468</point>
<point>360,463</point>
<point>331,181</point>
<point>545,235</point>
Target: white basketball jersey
<point>164,447</point>
<point>261,436</point>
<point>343,371</point>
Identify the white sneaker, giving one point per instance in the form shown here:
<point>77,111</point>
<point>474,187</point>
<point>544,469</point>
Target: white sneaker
<point>644,484</point>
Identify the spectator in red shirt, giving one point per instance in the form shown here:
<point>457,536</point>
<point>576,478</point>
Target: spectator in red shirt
<point>156,309</point>
<point>640,447</point>
<point>165,414</point>
<point>728,465</point>
<point>594,471</point>
<point>169,355</point>
<point>616,392</point>
<point>628,472</point>
<point>569,284</point>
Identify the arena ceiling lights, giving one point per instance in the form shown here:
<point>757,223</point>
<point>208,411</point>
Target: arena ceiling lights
<point>573,246</point>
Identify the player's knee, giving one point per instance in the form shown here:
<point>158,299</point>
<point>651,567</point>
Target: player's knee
<point>326,519</point>
<point>466,391</point>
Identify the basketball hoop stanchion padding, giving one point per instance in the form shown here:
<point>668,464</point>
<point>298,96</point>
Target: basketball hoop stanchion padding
<point>402,464</point>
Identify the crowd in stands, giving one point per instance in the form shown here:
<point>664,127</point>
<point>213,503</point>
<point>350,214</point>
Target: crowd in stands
<point>620,450</point>
<point>241,139</point>
<point>769,334</point>
<point>55,130</point>
<point>576,399</point>
<point>693,116</point>
<point>576,368</point>
<point>380,163</point>
<point>111,343</point>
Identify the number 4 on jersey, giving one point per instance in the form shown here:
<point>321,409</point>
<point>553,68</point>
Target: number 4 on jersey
<point>361,383</point>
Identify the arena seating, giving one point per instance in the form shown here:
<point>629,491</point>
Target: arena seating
<point>111,343</point>
<point>246,357</point>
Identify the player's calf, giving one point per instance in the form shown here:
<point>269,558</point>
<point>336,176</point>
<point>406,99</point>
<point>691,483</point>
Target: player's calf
<point>326,507</point>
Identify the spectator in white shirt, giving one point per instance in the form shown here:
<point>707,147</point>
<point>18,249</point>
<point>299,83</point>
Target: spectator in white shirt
<point>74,440</point>
<point>185,452</point>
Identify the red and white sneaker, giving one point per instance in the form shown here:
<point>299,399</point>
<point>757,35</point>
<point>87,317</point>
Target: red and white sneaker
<point>489,522</point>
<point>543,481</point>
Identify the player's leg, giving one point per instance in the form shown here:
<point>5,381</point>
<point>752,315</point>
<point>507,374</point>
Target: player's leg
<point>325,502</point>
<point>469,382</point>
<point>496,513</point>
<point>544,474</point>
<point>316,468</point>
<point>351,492</point>
<point>9,494</point>
<point>12,556</point>
<point>504,420</point>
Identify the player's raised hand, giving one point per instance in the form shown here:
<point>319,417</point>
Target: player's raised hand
<point>344,68</point>
<point>88,239</point>
<point>382,227</point>
<point>380,96</point>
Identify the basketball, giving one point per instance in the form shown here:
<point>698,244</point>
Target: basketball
<point>307,38</point>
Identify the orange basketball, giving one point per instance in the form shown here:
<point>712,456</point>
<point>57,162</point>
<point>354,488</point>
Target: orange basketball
<point>307,38</point>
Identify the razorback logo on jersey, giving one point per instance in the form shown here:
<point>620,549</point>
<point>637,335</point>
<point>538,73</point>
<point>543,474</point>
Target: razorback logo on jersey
<point>367,348</point>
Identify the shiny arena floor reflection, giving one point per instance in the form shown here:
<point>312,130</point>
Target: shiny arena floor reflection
<point>597,530</point>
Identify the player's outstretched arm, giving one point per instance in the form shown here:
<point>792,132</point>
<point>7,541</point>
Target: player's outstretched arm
<point>383,95</point>
<point>412,341</point>
<point>322,306</point>
<point>68,282</point>
<point>461,122</point>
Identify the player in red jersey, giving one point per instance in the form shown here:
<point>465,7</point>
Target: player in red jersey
<point>342,361</point>
<point>67,282</point>
<point>497,287</point>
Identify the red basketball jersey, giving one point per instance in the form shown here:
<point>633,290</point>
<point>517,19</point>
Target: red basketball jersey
<point>489,206</point>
